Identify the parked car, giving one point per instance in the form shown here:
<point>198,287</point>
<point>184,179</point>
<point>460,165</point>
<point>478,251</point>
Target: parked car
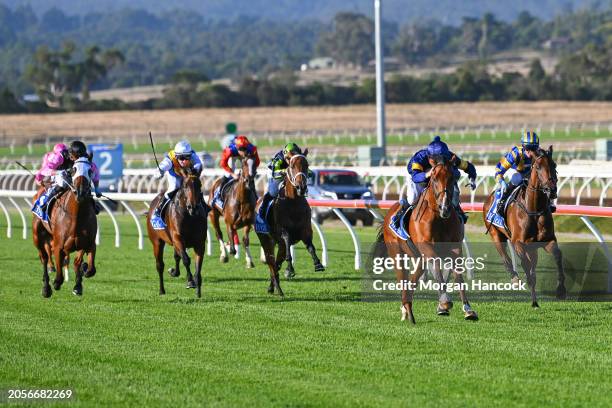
<point>339,184</point>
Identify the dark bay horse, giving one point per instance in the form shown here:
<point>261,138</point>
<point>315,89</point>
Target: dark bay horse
<point>185,218</point>
<point>72,228</point>
<point>530,224</point>
<point>436,231</point>
<point>290,223</point>
<point>238,210</point>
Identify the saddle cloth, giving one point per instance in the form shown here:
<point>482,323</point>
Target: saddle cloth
<point>219,196</point>
<point>492,216</point>
<point>262,225</point>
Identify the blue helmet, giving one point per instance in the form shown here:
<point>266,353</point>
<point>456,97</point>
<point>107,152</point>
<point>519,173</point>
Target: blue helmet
<point>437,148</point>
<point>530,140</point>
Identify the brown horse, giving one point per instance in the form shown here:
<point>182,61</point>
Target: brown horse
<point>290,223</point>
<point>436,232</point>
<point>530,224</point>
<point>72,228</point>
<point>238,211</point>
<point>185,218</point>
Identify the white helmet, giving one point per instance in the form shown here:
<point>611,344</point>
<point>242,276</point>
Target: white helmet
<point>182,148</point>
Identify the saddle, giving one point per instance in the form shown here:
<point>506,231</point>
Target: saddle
<point>40,201</point>
<point>500,220</point>
<point>220,193</point>
<point>399,228</point>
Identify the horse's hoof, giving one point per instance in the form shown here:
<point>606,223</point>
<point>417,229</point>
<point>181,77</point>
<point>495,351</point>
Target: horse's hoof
<point>232,251</point>
<point>250,265</point>
<point>470,315</point>
<point>90,273</point>
<point>77,291</point>
<point>46,291</point>
<point>84,267</point>
<point>561,293</point>
<point>199,294</point>
<point>535,305</point>
<point>224,259</point>
<point>444,309</point>
<point>190,285</point>
<point>319,268</point>
<point>57,285</point>
<point>174,272</point>
<point>162,292</point>
<point>289,273</point>
<point>271,290</point>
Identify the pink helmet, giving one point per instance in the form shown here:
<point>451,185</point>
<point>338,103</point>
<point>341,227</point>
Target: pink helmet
<point>59,148</point>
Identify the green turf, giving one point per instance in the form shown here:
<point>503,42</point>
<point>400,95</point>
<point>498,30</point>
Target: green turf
<point>122,344</point>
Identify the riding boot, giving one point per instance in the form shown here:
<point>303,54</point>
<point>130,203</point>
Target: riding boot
<point>264,205</point>
<point>160,206</point>
<point>502,202</point>
<point>52,192</point>
<point>395,220</point>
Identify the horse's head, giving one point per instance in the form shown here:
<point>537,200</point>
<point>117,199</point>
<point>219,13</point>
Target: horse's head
<point>192,190</point>
<point>81,179</point>
<point>544,173</point>
<point>249,172</point>
<point>297,173</point>
<point>441,184</point>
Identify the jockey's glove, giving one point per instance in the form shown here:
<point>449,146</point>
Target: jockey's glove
<point>472,183</point>
<point>97,192</point>
<point>159,175</point>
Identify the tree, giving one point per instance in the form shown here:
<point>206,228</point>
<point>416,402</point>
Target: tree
<point>351,41</point>
<point>95,66</point>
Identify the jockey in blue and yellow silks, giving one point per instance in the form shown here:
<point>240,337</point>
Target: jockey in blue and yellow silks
<point>519,159</point>
<point>419,171</point>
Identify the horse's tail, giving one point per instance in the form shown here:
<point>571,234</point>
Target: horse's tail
<point>379,248</point>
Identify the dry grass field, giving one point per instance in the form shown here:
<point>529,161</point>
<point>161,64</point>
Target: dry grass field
<point>212,121</point>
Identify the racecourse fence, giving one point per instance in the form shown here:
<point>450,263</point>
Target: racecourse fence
<point>126,200</point>
<point>577,182</point>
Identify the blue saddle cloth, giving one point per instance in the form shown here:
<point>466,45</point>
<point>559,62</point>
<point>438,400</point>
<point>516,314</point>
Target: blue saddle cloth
<point>157,223</point>
<point>38,211</point>
<point>492,216</point>
<point>399,229</point>
<point>262,225</point>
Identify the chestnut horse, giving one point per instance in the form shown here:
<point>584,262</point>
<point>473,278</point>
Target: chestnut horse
<point>530,224</point>
<point>185,218</point>
<point>436,232</point>
<point>290,223</point>
<point>72,228</point>
<point>238,211</point>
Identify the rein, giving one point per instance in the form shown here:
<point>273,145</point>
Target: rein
<point>293,177</point>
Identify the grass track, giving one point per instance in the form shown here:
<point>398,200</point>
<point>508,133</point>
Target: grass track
<point>123,345</point>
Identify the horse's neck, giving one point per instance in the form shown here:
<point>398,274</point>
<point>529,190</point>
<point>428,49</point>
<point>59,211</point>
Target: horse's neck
<point>290,190</point>
<point>428,201</point>
<point>534,199</point>
<point>241,189</point>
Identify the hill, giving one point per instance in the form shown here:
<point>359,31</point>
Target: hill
<point>449,11</point>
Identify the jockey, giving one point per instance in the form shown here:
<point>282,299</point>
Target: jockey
<point>78,153</point>
<point>238,149</point>
<point>519,159</point>
<point>277,165</point>
<point>182,156</point>
<point>419,171</point>
<point>53,161</point>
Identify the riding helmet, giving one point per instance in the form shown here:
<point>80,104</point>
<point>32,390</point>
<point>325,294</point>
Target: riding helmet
<point>530,140</point>
<point>78,149</point>
<point>241,142</point>
<point>291,148</point>
<point>182,148</point>
<point>437,148</point>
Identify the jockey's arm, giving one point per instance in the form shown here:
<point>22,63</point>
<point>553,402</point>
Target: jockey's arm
<point>417,172</point>
<point>506,162</point>
<point>466,166</point>
<point>165,165</point>
<point>196,162</point>
<point>223,163</point>
<point>256,155</point>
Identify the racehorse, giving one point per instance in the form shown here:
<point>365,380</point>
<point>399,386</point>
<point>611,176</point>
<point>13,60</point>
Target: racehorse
<point>238,210</point>
<point>290,222</point>
<point>185,218</point>
<point>530,224</point>
<point>436,232</point>
<point>72,228</point>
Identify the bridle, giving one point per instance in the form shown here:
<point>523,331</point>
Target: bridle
<point>294,177</point>
<point>437,193</point>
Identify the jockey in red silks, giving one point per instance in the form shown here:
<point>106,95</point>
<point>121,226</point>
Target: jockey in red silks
<point>237,150</point>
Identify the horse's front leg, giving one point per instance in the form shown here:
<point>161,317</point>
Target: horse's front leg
<point>529,260</point>
<point>199,257</point>
<point>500,240</point>
<point>444,302</point>
<point>179,247</point>
<point>176,271</point>
<point>553,248</point>
<point>289,272</point>
<point>158,252</point>
<point>247,251</point>
<point>78,273</point>
<point>318,266</point>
